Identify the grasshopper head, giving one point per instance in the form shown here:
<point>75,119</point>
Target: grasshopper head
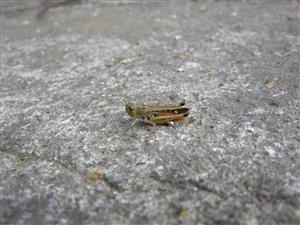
<point>130,109</point>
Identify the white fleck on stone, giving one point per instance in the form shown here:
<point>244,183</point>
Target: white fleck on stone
<point>270,151</point>
<point>234,14</point>
<point>191,65</point>
<point>218,150</point>
<point>180,69</point>
<point>252,221</point>
<point>203,8</point>
<point>174,16</point>
<point>178,37</point>
<point>56,23</point>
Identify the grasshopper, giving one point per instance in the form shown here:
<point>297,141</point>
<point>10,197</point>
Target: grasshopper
<point>155,114</point>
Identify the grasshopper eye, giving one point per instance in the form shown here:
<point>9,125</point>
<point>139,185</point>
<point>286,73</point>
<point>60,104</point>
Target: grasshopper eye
<point>128,108</point>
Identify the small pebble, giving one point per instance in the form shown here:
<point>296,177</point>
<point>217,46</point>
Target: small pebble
<point>125,61</point>
<point>180,69</point>
<point>95,174</point>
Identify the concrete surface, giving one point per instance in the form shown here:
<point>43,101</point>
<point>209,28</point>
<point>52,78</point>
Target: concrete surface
<point>64,158</point>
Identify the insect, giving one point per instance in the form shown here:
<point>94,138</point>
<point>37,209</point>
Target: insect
<point>155,114</point>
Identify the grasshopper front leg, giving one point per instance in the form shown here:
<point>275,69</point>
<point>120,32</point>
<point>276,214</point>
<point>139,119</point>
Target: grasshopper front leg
<point>152,130</point>
<point>131,126</point>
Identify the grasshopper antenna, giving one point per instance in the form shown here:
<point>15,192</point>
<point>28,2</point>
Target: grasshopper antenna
<point>125,99</point>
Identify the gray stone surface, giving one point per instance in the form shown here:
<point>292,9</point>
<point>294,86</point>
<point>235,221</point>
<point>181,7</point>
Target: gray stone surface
<point>235,160</point>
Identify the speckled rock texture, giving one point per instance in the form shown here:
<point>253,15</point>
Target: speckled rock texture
<point>64,157</point>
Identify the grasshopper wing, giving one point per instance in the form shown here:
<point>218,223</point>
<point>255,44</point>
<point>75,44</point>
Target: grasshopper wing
<point>164,118</point>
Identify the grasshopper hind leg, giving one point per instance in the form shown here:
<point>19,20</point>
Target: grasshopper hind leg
<point>149,122</point>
